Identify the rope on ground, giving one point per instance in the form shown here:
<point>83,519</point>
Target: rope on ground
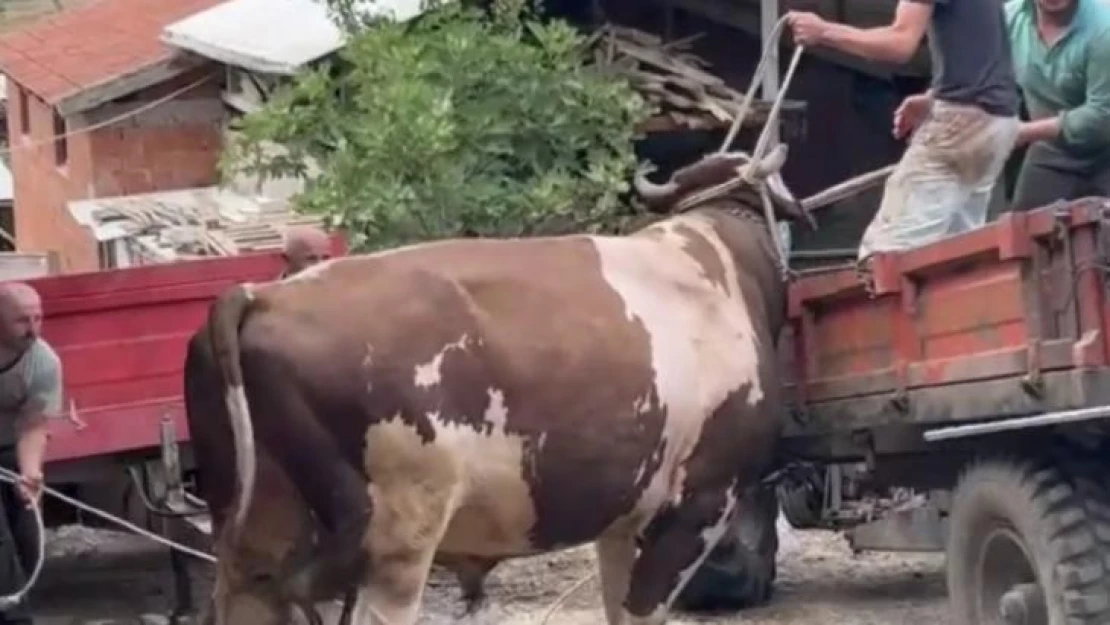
<point>11,477</point>
<point>555,605</point>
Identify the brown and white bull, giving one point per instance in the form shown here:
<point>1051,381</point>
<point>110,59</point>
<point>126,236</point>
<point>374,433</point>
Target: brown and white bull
<point>467,401</point>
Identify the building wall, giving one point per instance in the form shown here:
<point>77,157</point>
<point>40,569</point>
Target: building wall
<point>42,187</point>
<point>175,145</point>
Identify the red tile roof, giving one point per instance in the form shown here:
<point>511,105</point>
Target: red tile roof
<point>65,54</point>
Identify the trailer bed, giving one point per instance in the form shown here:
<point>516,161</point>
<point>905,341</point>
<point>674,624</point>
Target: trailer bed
<point>1007,320</point>
<point>121,337</point>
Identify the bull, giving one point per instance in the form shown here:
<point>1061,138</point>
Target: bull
<point>467,401</point>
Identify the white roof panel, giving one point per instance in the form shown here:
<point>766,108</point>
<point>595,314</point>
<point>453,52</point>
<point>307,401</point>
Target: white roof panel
<point>271,36</point>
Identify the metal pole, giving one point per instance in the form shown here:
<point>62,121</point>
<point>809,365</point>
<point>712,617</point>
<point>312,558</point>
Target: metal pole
<point>768,17</point>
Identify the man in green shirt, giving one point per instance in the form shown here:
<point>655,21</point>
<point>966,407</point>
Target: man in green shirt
<point>30,394</point>
<point>1061,52</point>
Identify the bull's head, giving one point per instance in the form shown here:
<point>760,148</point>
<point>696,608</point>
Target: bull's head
<point>718,169</point>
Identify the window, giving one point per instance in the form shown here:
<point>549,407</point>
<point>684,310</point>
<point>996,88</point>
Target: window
<point>24,112</point>
<point>61,147</point>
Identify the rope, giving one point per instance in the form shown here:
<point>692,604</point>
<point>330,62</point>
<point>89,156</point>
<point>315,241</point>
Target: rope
<point>11,477</point>
<point>9,601</point>
<point>561,599</point>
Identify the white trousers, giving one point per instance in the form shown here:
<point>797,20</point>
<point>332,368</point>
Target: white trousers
<point>942,186</point>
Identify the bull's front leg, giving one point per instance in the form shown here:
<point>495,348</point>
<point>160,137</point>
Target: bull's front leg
<point>674,545</point>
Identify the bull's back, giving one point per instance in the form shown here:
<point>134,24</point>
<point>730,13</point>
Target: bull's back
<point>547,372</point>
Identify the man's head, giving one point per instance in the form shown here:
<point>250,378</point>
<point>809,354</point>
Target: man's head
<point>304,246</point>
<point>20,316</point>
<point>1057,10</point>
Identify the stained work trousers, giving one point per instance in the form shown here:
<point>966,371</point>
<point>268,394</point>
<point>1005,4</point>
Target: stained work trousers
<point>942,186</point>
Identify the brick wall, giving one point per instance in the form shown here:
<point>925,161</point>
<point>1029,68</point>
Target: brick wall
<point>172,146</point>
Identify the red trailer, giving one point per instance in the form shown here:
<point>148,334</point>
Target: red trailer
<point>961,403</point>
<point>121,336</point>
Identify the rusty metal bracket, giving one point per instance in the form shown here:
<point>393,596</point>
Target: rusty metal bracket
<point>1033,382</point>
<point>900,400</point>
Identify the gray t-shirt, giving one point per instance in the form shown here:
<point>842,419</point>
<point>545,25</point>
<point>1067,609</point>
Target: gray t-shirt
<point>971,56</point>
<point>31,385</point>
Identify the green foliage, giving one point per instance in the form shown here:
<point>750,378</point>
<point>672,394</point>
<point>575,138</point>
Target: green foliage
<point>460,123</point>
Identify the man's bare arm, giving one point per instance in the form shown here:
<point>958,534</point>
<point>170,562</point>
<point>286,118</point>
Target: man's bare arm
<point>894,43</point>
<point>44,401</point>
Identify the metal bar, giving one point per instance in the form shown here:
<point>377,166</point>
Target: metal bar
<point>1060,417</point>
<point>828,254</point>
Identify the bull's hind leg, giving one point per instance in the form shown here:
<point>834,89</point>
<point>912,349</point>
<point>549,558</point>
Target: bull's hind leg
<point>415,487</point>
<point>616,552</point>
<point>674,546</point>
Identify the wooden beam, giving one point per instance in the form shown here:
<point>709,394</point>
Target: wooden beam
<point>119,86</point>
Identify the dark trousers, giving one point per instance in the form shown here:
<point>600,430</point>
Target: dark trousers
<point>18,543</point>
<point>1050,174</point>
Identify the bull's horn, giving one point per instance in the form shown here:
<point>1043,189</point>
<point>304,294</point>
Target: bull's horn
<point>772,162</point>
<point>650,191</point>
<point>784,200</point>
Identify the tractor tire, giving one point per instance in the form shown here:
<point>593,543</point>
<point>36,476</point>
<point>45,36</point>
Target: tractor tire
<point>740,571</point>
<point>1029,543</point>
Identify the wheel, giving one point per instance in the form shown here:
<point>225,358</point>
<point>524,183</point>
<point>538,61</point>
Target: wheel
<point>740,571</point>
<point>1029,544</point>
<point>801,497</point>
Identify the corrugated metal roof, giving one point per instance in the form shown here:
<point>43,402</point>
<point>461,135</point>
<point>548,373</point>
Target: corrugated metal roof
<point>271,36</point>
<point>206,221</point>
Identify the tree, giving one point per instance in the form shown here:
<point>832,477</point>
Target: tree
<point>463,122</point>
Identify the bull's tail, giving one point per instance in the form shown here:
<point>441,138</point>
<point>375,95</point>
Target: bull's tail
<point>224,320</point>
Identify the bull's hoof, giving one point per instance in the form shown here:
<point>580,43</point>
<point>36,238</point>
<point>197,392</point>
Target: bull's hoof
<point>472,604</point>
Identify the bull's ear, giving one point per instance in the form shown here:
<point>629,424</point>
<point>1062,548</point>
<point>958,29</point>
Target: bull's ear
<point>786,205</point>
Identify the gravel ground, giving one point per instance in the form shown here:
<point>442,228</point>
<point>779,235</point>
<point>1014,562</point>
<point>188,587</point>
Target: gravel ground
<point>96,576</point>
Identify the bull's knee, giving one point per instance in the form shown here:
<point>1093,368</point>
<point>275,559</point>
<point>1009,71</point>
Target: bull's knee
<point>395,588</point>
<point>673,547</point>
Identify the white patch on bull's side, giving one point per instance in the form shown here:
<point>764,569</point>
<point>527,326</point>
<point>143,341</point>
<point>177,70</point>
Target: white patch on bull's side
<point>496,413</point>
<point>242,430</point>
<point>428,374</point>
<point>703,343</point>
<point>491,511</point>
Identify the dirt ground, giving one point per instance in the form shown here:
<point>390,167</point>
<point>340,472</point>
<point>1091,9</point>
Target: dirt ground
<point>106,578</point>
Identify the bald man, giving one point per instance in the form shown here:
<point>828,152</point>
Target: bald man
<point>304,246</point>
<point>30,395</point>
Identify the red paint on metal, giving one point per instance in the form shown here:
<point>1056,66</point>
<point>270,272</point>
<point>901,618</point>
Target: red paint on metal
<point>955,310</point>
<point>122,335</point>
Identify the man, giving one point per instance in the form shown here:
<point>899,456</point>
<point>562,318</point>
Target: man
<point>1062,58</point>
<point>30,393</point>
<point>304,246</point>
<point>967,121</point>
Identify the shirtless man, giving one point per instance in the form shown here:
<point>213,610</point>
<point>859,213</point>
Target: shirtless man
<point>30,394</point>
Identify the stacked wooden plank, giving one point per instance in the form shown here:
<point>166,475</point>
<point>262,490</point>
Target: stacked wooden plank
<point>673,79</point>
<point>201,227</point>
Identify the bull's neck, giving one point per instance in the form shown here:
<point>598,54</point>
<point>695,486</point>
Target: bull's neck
<point>753,252</point>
